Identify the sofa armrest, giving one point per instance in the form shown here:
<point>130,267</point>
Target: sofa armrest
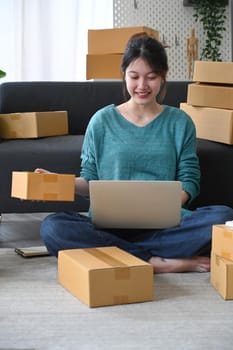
<point>216,162</point>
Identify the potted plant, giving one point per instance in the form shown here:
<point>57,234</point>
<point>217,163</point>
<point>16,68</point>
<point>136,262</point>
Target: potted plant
<point>2,73</point>
<point>211,13</point>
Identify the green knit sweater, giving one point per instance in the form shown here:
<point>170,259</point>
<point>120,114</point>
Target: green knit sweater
<point>164,149</point>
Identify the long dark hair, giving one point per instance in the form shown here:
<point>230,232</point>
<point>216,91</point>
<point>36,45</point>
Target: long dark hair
<point>152,51</point>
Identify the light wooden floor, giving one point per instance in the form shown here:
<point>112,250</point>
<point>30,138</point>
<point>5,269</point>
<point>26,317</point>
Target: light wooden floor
<point>20,230</point>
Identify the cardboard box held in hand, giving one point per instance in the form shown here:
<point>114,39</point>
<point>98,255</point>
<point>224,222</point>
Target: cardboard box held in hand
<point>43,186</point>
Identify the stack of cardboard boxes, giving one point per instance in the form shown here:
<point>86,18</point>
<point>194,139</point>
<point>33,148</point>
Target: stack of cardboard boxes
<point>210,101</point>
<point>210,105</point>
<point>106,48</point>
<point>222,259</point>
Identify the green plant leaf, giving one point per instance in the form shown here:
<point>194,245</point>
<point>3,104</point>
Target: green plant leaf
<point>2,73</point>
<point>211,13</point>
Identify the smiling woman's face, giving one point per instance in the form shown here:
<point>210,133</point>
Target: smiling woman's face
<point>142,83</point>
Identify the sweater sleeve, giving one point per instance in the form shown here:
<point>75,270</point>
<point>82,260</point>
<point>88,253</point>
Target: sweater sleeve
<point>188,170</point>
<point>88,163</point>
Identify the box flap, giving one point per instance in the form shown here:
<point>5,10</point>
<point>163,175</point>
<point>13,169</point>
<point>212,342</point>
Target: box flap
<point>104,257</point>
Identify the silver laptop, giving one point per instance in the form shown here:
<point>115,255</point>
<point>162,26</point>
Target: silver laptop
<point>135,204</point>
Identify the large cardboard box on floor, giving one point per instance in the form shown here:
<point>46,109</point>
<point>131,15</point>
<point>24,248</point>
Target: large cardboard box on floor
<point>104,66</point>
<point>221,275</point>
<point>206,95</point>
<point>222,241</point>
<point>213,72</point>
<point>33,124</point>
<point>105,276</point>
<point>214,124</point>
<point>114,40</point>
<point>43,186</point>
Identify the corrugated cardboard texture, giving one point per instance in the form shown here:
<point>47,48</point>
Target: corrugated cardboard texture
<point>212,124</point>
<point>221,275</point>
<point>210,96</point>
<point>105,276</point>
<point>46,187</point>
<point>222,241</point>
<point>213,72</point>
<point>114,40</point>
<point>104,66</point>
<point>33,124</point>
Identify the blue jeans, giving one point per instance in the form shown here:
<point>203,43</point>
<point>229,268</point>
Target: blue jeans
<point>68,230</point>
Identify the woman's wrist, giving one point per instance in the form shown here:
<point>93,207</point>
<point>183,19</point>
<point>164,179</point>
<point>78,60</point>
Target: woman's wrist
<point>81,186</point>
<point>185,197</point>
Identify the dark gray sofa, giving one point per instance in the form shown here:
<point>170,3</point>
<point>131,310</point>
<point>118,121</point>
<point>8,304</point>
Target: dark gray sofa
<point>62,153</point>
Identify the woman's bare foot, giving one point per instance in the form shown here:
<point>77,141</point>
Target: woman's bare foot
<point>194,264</point>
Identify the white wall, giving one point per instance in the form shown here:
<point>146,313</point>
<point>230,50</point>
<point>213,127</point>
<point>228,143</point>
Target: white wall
<point>174,23</point>
<point>47,39</point>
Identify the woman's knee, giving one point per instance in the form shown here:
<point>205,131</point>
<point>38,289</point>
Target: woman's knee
<point>49,227</point>
<point>223,213</point>
<point>217,214</point>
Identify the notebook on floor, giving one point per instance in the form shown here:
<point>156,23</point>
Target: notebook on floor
<point>135,204</point>
<point>30,252</point>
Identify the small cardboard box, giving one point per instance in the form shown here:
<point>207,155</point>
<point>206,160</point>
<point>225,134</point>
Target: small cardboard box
<point>33,124</point>
<point>214,124</point>
<point>104,66</point>
<point>213,72</point>
<point>114,40</point>
<point>221,275</point>
<point>222,241</point>
<point>215,96</point>
<point>45,187</point>
<point>105,276</point>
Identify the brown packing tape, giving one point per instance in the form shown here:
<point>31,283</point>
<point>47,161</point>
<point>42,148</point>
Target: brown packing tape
<point>228,234</point>
<point>50,196</point>
<point>217,260</point>
<point>50,177</point>
<point>108,259</point>
<point>14,134</point>
<point>122,273</point>
<point>15,116</point>
<point>120,299</point>
<point>226,255</point>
